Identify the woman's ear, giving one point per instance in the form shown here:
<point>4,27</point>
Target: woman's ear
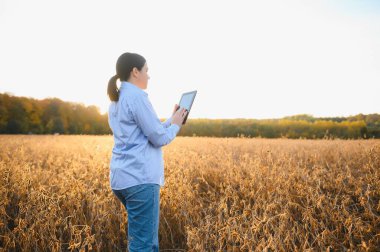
<point>135,72</point>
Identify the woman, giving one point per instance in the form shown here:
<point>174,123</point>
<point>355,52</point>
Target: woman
<point>137,167</point>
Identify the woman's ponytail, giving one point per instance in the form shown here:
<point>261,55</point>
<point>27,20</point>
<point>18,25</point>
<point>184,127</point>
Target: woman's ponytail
<point>113,91</point>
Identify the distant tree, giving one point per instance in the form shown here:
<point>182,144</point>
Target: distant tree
<point>301,117</point>
<point>18,117</point>
<point>55,125</point>
<point>48,116</point>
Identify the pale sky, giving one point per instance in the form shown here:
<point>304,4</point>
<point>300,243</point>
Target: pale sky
<point>246,59</point>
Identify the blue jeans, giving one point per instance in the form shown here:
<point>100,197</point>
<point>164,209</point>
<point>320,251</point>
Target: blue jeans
<point>142,203</point>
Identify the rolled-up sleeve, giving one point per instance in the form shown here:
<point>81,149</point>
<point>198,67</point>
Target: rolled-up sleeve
<point>147,119</point>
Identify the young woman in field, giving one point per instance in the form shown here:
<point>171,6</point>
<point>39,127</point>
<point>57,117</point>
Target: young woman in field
<point>137,167</point>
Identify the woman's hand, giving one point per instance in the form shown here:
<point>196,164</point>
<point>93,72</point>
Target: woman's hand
<point>179,116</point>
<point>175,109</point>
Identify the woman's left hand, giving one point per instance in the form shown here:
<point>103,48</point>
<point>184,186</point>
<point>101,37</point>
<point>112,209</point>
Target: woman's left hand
<point>176,106</point>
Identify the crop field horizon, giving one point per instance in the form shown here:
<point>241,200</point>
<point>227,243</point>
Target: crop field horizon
<point>220,194</point>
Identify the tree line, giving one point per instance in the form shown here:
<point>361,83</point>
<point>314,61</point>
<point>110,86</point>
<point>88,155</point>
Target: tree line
<point>22,115</point>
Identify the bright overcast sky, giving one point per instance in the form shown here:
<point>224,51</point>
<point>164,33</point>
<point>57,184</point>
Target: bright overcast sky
<point>246,59</point>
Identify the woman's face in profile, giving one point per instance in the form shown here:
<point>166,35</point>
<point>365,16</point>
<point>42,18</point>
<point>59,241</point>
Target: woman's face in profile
<point>143,77</point>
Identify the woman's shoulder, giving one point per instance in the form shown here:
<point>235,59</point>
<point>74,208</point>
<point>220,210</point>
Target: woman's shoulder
<point>133,100</point>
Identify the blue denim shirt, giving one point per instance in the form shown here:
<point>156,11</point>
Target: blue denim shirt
<point>138,137</point>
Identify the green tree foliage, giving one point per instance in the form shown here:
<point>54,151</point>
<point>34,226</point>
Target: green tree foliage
<point>310,128</point>
<point>20,115</point>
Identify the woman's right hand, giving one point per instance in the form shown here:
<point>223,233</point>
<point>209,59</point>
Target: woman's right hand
<point>179,116</point>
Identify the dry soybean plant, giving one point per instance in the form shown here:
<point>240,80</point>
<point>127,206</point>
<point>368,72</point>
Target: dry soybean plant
<point>226,194</point>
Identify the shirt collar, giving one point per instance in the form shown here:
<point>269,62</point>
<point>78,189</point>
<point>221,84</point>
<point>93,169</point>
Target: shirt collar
<point>128,85</point>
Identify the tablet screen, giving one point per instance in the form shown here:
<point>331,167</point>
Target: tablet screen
<point>186,101</point>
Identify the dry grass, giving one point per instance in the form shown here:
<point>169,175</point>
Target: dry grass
<point>220,195</point>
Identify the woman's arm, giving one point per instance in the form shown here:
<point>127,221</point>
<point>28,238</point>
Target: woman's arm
<point>146,118</point>
<point>167,122</point>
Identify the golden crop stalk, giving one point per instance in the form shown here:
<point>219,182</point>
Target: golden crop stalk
<point>220,195</point>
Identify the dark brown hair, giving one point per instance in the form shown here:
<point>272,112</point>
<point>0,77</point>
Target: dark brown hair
<point>124,66</point>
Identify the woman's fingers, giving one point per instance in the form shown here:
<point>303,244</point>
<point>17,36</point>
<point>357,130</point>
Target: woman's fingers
<point>175,108</point>
<point>182,112</point>
<point>179,111</point>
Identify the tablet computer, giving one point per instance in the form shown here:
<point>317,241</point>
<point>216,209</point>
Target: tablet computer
<point>186,102</point>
